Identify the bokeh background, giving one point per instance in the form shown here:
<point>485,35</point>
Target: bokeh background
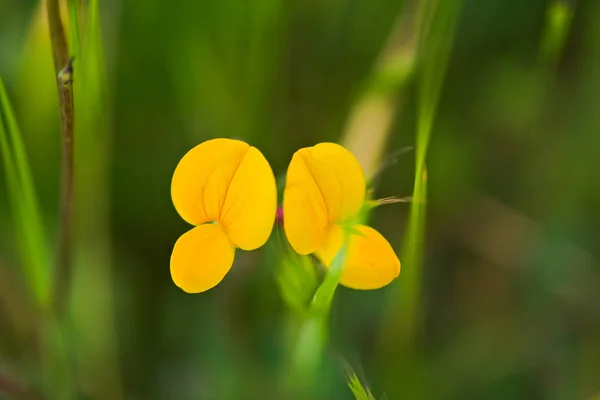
<point>504,301</point>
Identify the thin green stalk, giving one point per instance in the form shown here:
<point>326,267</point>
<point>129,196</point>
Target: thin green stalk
<point>323,298</point>
<point>55,356</point>
<point>33,250</point>
<point>92,286</point>
<point>62,67</point>
<point>439,22</point>
<point>312,337</point>
<point>74,28</point>
<point>30,232</point>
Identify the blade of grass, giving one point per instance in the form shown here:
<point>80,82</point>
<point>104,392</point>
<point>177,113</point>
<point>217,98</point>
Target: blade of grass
<point>74,46</point>
<point>359,390</point>
<point>438,22</point>
<point>92,280</point>
<point>34,251</point>
<point>32,241</point>
<point>439,19</point>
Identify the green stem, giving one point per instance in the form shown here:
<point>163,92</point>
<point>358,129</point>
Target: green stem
<point>55,358</point>
<point>312,337</point>
<point>62,67</point>
<point>323,297</point>
<point>438,19</point>
<point>24,203</point>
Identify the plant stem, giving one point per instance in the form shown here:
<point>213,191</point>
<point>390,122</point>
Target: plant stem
<point>55,361</point>
<point>312,336</point>
<point>62,66</point>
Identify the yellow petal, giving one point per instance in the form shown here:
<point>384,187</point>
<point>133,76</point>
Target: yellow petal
<point>370,261</point>
<point>324,185</point>
<point>202,177</point>
<point>305,217</point>
<point>339,177</point>
<point>201,258</point>
<point>249,210</point>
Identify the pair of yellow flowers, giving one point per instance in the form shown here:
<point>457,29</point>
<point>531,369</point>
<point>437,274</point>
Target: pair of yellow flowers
<point>226,188</point>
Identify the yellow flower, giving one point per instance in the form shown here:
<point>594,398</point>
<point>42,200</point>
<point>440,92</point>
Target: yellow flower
<point>225,188</point>
<point>323,197</point>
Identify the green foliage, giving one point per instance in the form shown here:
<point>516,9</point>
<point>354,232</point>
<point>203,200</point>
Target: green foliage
<point>358,390</point>
<point>93,291</point>
<point>558,21</point>
<point>312,336</point>
<point>498,288</point>
<point>74,46</point>
<point>298,279</point>
<point>438,22</point>
<point>28,224</point>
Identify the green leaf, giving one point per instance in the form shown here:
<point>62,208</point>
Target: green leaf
<point>358,390</point>
<point>93,290</point>
<point>24,204</point>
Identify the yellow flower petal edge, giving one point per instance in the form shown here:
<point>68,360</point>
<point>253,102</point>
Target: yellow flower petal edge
<point>305,214</point>
<point>324,185</point>
<point>201,258</point>
<point>250,206</point>
<point>370,261</point>
<point>202,177</point>
<point>339,177</point>
<point>229,183</point>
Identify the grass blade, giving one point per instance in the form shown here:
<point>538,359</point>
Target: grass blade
<point>74,45</point>
<point>437,24</point>
<point>30,232</point>
<point>359,391</point>
<point>93,292</point>
<point>439,20</point>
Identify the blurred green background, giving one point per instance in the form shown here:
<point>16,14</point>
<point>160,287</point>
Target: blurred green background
<point>508,289</point>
